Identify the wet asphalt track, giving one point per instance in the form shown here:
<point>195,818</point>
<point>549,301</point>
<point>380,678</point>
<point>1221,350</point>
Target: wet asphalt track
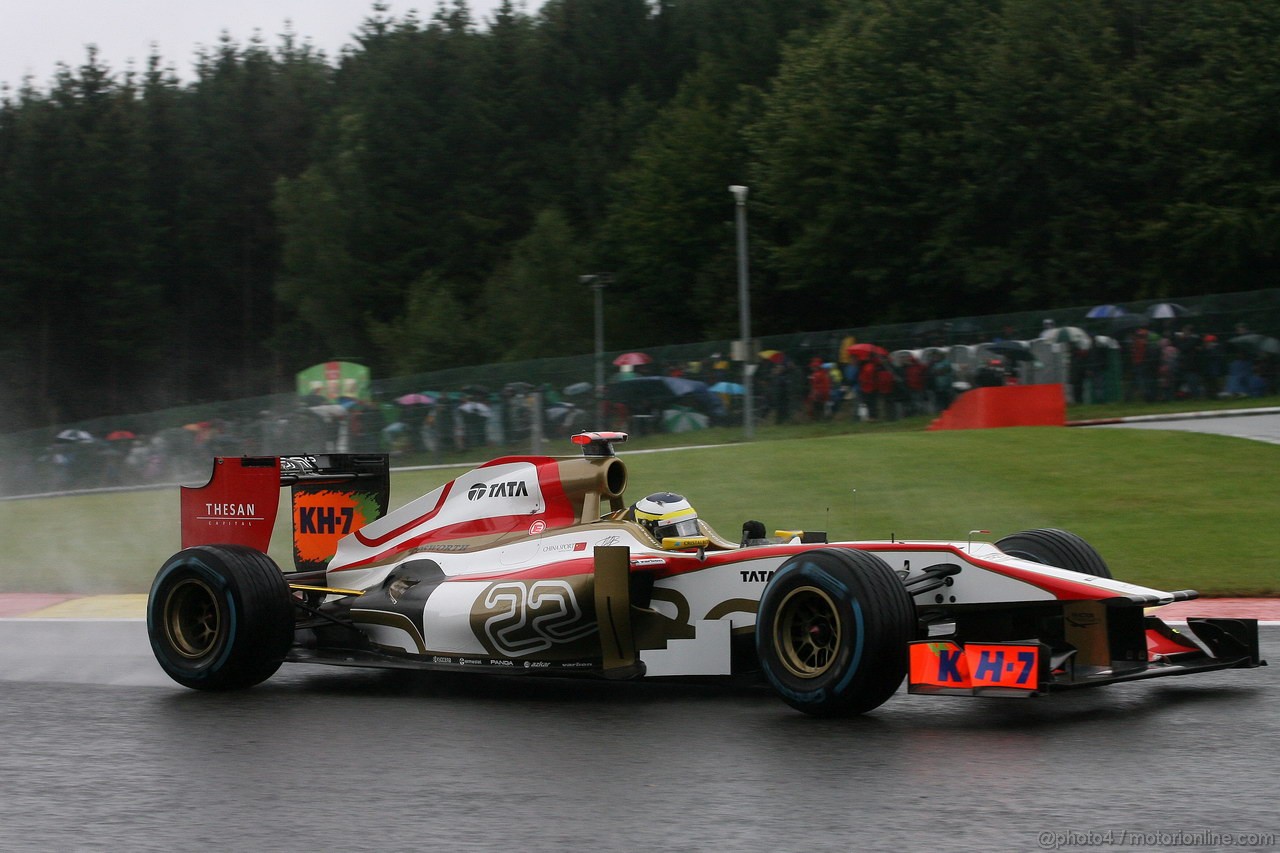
<point>101,752</point>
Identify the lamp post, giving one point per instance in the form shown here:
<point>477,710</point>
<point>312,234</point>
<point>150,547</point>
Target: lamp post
<point>597,282</point>
<point>744,314</point>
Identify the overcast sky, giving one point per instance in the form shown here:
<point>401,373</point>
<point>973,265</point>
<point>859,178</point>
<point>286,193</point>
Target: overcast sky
<point>35,35</point>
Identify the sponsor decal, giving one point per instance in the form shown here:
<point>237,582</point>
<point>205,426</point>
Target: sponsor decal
<point>945,664</point>
<point>229,510</point>
<point>441,659</point>
<point>506,489</point>
<point>565,548</point>
<point>648,561</point>
<point>537,664</point>
<point>500,662</point>
<point>608,541</point>
<point>537,527</point>
<point>755,576</point>
<point>325,519</point>
<point>322,517</point>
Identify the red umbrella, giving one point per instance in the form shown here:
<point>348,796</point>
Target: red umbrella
<point>866,351</point>
<point>632,358</point>
<point>120,435</point>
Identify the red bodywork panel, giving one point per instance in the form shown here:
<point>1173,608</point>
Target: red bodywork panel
<point>236,507</point>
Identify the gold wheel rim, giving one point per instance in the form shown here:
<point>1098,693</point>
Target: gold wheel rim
<point>807,632</point>
<point>192,618</point>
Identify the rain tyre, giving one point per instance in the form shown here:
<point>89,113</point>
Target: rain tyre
<point>220,617</point>
<point>1053,547</point>
<point>832,632</point>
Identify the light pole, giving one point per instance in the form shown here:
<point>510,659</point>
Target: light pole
<point>597,282</point>
<point>744,315</point>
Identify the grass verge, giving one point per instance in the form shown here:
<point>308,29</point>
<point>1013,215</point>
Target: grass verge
<point>1170,510</point>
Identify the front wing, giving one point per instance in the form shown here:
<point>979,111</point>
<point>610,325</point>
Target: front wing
<point>1079,644</point>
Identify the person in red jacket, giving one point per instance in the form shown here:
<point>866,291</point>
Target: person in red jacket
<point>819,390</point>
<point>887,389</point>
<point>869,385</point>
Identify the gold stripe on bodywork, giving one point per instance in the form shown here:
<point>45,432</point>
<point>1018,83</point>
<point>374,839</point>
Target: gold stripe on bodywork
<point>733,605</point>
<point>390,620</point>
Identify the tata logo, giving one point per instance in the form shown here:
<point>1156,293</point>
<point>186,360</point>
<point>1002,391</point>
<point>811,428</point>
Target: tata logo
<point>508,489</point>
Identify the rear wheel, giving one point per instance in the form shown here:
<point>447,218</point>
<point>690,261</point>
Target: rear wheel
<point>832,632</point>
<point>1053,547</point>
<point>220,617</point>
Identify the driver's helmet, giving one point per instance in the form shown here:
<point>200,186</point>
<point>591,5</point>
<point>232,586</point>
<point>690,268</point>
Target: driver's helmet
<point>666,514</point>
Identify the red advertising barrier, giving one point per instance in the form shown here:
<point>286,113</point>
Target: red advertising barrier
<point>1005,406</point>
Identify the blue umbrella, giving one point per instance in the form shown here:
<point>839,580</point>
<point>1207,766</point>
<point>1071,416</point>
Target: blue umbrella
<point>726,388</point>
<point>1105,312</point>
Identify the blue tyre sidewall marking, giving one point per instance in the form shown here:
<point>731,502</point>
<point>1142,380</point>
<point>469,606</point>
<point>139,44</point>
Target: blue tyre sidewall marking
<point>219,584</point>
<point>856,660</point>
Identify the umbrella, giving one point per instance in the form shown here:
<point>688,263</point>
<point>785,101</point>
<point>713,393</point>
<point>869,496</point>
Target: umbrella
<point>416,400</point>
<point>771,355</point>
<point>1260,343</point>
<point>74,435</point>
<point>471,407</point>
<point>1166,311</point>
<point>654,388</point>
<point>732,388</point>
<point>1012,350</point>
<point>329,411</point>
<point>1105,312</point>
<point>1073,335</point>
<point>866,351</point>
<point>120,435</point>
<point>680,419</point>
<point>632,358</point>
<point>928,352</point>
<point>578,388</point>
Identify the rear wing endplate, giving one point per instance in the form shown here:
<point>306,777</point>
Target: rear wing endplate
<point>331,495</point>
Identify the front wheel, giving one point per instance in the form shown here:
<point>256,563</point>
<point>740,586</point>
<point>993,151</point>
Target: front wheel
<point>832,632</point>
<point>220,617</point>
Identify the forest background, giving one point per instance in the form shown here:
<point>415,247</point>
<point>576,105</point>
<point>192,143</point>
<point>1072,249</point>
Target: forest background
<point>432,197</point>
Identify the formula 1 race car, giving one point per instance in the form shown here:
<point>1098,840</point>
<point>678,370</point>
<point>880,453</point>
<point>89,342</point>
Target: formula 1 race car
<point>536,565</point>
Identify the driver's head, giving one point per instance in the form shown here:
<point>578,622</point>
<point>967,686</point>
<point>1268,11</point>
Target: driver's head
<point>666,514</point>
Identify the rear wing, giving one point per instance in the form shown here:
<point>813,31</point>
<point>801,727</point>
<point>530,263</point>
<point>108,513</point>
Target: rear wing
<point>331,495</point>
